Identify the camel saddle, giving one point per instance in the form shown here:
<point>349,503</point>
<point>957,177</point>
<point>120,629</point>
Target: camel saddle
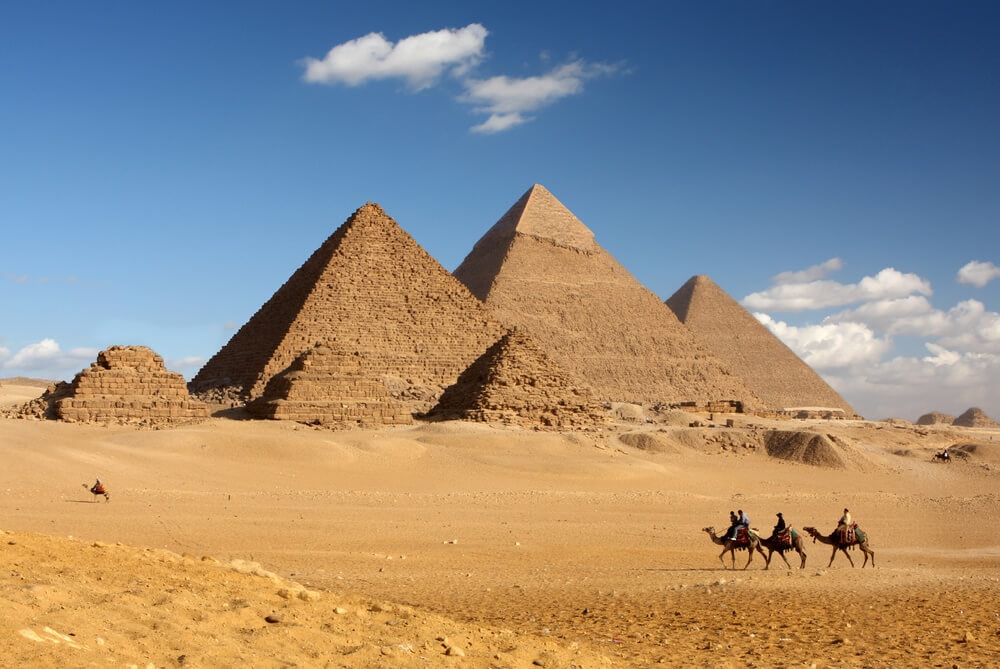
<point>783,539</point>
<point>848,534</point>
<point>742,537</point>
<point>98,490</point>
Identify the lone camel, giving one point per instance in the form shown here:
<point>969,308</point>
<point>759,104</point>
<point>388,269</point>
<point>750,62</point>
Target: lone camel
<point>752,543</point>
<point>776,545</point>
<point>836,539</point>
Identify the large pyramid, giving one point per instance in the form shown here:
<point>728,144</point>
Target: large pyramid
<point>540,269</point>
<point>779,377</point>
<point>371,291</point>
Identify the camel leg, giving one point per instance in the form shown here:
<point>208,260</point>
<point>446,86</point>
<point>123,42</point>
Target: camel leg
<point>802,554</point>
<point>723,561</point>
<point>848,556</point>
<point>868,552</point>
<point>832,555</point>
<point>782,554</point>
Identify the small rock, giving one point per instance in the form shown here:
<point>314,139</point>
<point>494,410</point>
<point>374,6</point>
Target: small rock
<point>309,595</point>
<point>454,651</point>
<point>273,618</point>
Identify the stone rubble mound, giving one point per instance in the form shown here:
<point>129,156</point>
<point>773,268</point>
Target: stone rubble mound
<point>516,383</point>
<point>328,386</point>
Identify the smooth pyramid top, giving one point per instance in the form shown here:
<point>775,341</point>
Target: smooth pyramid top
<point>539,214</point>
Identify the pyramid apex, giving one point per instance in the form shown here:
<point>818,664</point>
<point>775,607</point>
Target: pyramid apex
<point>541,215</point>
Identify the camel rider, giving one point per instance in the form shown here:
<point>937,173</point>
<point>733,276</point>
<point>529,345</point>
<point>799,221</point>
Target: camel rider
<point>845,520</point>
<point>98,487</point>
<point>779,526</point>
<point>734,525</point>
<point>741,522</point>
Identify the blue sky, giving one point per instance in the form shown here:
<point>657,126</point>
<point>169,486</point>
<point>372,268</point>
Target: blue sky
<point>165,167</point>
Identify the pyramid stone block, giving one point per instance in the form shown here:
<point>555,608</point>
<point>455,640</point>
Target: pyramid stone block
<point>540,268</point>
<point>772,370</point>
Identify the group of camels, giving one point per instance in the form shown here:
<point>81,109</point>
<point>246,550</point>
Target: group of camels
<point>754,542</point>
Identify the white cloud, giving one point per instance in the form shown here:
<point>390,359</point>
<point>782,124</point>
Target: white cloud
<point>47,356</point>
<point>419,59</point>
<point>978,273</point>
<point>506,99</point>
<point>908,387</point>
<point>887,284</point>
<point>191,363</point>
<point>830,345</point>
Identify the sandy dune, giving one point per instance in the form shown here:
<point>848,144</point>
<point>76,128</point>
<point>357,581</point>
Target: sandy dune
<point>269,544</point>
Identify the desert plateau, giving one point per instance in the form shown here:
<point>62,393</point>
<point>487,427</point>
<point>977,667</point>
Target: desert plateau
<point>231,542</point>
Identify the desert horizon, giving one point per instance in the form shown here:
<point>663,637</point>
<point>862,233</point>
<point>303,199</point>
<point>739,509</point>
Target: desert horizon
<point>273,543</point>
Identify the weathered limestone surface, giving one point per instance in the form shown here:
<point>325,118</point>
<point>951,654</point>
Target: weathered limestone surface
<point>516,383</point>
<point>540,269</point>
<point>329,387</point>
<point>780,378</point>
<point>128,384</point>
<point>376,293</point>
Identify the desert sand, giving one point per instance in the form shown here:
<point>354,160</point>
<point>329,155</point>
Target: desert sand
<point>272,544</point>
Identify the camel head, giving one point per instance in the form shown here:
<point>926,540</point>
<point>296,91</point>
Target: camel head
<point>811,531</point>
<point>710,530</point>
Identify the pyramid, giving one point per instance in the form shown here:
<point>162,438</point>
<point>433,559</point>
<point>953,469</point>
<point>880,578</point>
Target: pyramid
<point>376,293</point>
<point>975,417</point>
<point>128,384</point>
<point>540,268</point>
<point>516,383</point>
<point>329,387</point>
<point>779,377</point>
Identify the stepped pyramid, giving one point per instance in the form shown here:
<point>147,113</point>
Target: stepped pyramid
<point>779,377</point>
<point>128,384</point>
<point>327,386</point>
<point>515,382</point>
<point>539,268</point>
<point>377,294</point>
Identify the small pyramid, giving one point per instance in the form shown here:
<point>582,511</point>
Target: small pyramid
<point>975,417</point>
<point>772,370</point>
<point>936,418</point>
<point>128,384</point>
<point>515,382</point>
<point>540,269</point>
<point>376,293</point>
<point>329,387</point>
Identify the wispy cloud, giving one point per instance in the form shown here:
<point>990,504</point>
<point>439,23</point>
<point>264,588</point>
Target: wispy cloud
<point>422,60</point>
<point>508,99</point>
<point>419,59</point>
<point>978,273</point>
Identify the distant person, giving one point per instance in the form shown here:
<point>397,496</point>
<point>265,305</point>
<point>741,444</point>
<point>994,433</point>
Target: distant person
<point>744,520</point>
<point>845,520</point>
<point>98,488</point>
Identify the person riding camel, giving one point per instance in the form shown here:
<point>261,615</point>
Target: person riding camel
<point>98,487</point>
<point>844,524</point>
<point>779,527</point>
<point>734,526</point>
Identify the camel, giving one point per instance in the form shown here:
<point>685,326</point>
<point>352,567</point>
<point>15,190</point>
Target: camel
<point>836,540</point>
<point>97,490</point>
<point>730,546</point>
<point>773,545</point>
